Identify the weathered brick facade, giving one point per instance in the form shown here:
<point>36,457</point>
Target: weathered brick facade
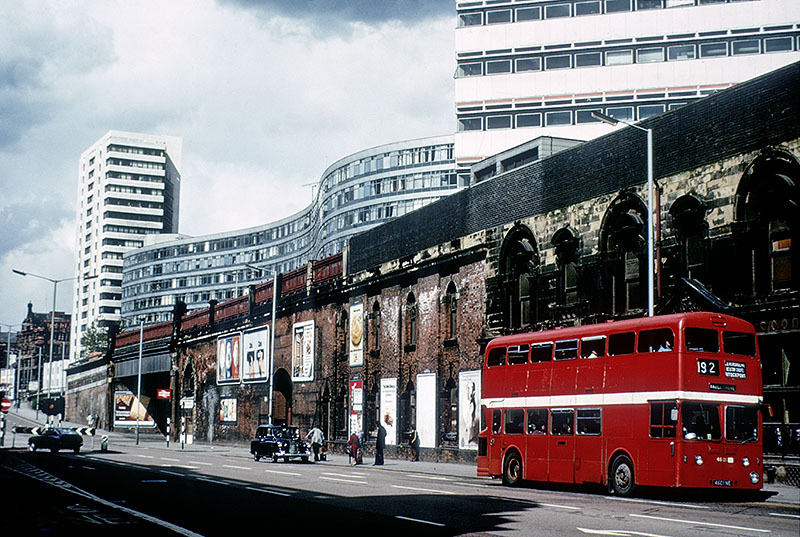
<point>557,242</point>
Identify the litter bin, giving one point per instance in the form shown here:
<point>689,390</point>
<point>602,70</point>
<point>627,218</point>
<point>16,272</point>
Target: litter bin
<point>771,471</point>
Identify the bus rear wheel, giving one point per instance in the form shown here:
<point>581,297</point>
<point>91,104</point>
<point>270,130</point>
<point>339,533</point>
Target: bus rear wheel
<point>621,480</point>
<point>512,470</point>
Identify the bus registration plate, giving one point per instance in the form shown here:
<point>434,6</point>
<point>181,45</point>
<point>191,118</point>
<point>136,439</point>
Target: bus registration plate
<point>722,483</point>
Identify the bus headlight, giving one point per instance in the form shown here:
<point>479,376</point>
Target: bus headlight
<point>754,478</point>
<point>699,460</point>
<point>746,461</point>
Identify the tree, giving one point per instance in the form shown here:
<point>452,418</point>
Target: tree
<point>94,340</point>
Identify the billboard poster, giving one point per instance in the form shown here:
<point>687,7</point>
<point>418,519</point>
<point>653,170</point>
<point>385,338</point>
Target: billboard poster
<point>127,409</point>
<point>469,408</point>
<point>356,406</point>
<point>256,355</point>
<point>229,358</point>
<point>227,410</point>
<point>388,409</point>
<point>356,335</point>
<point>426,409</point>
<point>303,351</point>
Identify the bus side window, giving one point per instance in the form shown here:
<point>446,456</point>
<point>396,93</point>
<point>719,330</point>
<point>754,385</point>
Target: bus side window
<point>621,343</point>
<point>658,340</point>
<point>562,421</point>
<point>537,421</point>
<point>517,354</point>
<point>589,421</point>
<point>542,352</point>
<point>497,356</point>
<point>593,347</point>
<point>515,421</point>
<point>566,349</point>
<point>497,423</point>
<point>663,418</point>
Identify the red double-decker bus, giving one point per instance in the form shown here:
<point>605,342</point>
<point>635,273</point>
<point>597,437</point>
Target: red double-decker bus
<point>668,401</point>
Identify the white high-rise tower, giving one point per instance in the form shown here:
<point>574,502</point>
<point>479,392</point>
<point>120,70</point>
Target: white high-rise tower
<point>129,187</point>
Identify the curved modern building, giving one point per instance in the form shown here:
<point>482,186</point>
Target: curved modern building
<point>355,193</point>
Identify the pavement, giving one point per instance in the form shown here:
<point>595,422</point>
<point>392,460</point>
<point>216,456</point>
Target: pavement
<point>775,493</point>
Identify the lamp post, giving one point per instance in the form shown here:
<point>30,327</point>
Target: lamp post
<point>139,379</point>
<point>650,187</point>
<point>271,335</point>
<point>55,283</point>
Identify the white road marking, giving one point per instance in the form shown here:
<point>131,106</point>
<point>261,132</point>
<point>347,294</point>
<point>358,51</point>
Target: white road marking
<point>429,477</point>
<point>282,473</point>
<point>146,456</point>
<point>419,520</point>
<point>785,515</point>
<point>418,489</point>
<point>618,533</point>
<point>655,502</point>
<point>188,467</point>
<point>171,473</point>
<point>533,503</point>
<point>275,492</point>
<point>699,523</point>
<point>164,458</point>
<point>201,462</point>
<point>354,481</point>
<point>462,484</point>
<point>235,467</point>
<point>352,476</point>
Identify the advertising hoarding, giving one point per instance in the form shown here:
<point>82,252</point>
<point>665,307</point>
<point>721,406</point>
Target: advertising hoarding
<point>255,362</point>
<point>388,409</point>
<point>127,409</point>
<point>303,351</point>
<point>356,339</point>
<point>229,358</point>
<point>469,408</point>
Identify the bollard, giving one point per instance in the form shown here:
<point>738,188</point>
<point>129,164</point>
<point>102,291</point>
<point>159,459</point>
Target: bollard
<point>182,433</point>
<point>168,431</point>
<point>104,443</point>
<point>2,429</point>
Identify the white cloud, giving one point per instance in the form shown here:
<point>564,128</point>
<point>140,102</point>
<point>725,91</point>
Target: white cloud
<point>263,102</point>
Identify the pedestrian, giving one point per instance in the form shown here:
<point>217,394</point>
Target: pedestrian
<point>316,438</point>
<point>380,443</point>
<point>413,442</point>
<point>354,449</point>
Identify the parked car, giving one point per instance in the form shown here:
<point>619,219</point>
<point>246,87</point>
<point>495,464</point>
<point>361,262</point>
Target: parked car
<point>279,441</point>
<point>55,439</point>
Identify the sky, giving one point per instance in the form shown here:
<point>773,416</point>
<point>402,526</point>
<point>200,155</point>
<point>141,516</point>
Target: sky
<point>265,95</point>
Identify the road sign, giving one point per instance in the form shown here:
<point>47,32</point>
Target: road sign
<point>163,393</point>
<point>5,405</point>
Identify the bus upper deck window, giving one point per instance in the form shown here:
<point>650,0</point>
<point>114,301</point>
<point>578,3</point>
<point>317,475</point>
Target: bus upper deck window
<point>593,347</point>
<point>739,343</point>
<point>542,352</point>
<point>621,343</point>
<point>566,349</point>
<point>517,354</point>
<point>658,340</point>
<point>497,356</point>
<point>701,339</point>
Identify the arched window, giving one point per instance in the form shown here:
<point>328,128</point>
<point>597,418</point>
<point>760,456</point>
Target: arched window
<point>375,326</point>
<point>411,322</point>
<point>451,311</point>
<point>567,247</point>
<point>623,248</point>
<point>519,261</point>
<point>767,209</point>
<point>688,216</point>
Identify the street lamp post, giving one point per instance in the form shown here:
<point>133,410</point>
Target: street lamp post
<point>8,362</point>
<point>650,187</point>
<point>271,335</point>
<point>55,283</point>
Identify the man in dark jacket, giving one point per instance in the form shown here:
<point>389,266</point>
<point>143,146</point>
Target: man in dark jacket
<point>380,443</point>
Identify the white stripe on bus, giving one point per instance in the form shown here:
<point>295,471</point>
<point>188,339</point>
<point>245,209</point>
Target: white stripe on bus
<point>605,399</point>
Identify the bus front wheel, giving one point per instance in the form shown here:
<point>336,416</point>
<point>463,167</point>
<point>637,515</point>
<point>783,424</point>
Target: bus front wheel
<point>621,478</point>
<point>512,471</point>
